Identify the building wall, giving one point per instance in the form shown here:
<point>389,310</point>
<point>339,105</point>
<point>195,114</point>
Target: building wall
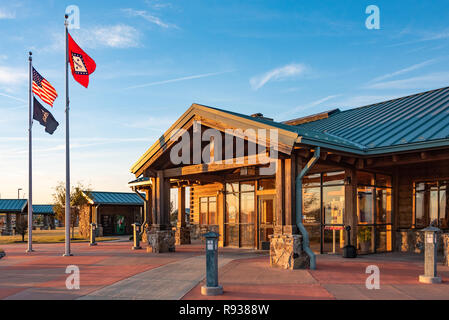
<point>408,239</point>
<point>209,190</point>
<point>131,214</point>
<point>407,175</point>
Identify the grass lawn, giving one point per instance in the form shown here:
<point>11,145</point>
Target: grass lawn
<point>50,236</point>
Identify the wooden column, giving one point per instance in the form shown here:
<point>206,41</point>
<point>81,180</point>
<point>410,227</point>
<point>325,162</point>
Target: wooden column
<point>162,201</point>
<point>290,195</point>
<point>148,208</point>
<point>181,207</point>
<point>154,203</point>
<point>280,195</point>
<point>350,217</point>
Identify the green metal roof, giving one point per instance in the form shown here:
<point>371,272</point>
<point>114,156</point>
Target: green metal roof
<point>114,198</point>
<point>12,205</point>
<point>43,209</point>
<point>408,123</point>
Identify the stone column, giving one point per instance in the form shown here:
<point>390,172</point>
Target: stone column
<point>8,229</point>
<point>161,237</point>
<point>286,250</point>
<point>182,231</point>
<point>45,222</point>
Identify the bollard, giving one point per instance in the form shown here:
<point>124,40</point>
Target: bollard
<point>430,256</point>
<point>211,288</point>
<point>136,236</point>
<point>349,250</point>
<point>93,230</point>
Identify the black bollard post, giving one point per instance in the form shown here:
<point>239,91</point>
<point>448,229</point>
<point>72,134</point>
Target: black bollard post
<point>212,288</point>
<point>349,250</point>
<point>136,236</point>
<point>93,229</point>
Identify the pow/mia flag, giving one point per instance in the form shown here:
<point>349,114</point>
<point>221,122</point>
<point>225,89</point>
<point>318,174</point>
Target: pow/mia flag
<point>44,117</point>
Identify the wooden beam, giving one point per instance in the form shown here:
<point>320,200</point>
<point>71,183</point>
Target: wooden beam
<point>410,158</point>
<point>216,166</point>
<point>360,164</point>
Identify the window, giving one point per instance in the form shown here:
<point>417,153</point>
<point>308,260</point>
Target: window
<point>431,205</point>
<point>374,211</point>
<point>323,210</point>
<point>208,210</point>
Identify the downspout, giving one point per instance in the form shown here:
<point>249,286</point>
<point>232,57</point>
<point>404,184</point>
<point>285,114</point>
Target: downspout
<point>302,229</point>
<point>144,210</point>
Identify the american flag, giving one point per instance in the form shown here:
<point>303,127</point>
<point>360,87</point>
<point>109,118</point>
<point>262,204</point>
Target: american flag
<point>43,88</point>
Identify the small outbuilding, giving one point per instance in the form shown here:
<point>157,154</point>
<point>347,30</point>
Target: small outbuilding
<point>10,211</point>
<point>13,209</point>
<point>113,212</point>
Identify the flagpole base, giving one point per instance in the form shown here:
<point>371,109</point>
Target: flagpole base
<point>67,255</point>
<point>29,250</point>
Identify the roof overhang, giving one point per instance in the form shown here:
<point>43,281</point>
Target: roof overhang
<point>217,119</point>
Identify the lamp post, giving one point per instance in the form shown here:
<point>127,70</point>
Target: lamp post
<point>430,256</point>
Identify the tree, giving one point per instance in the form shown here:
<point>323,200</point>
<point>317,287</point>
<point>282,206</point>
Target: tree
<point>77,199</point>
<point>22,226</point>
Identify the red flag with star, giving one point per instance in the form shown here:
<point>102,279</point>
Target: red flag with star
<point>81,64</point>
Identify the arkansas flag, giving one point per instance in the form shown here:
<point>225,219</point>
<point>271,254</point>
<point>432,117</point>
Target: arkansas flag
<point>81,64</point>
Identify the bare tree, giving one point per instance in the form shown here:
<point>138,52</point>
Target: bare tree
<point>77,199</point>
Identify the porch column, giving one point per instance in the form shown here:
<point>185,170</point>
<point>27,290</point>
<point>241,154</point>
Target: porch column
<point>350,215</point>
<point>290,195</point>
<point>286,244</point>
<point>148,207</point>
<point>161,238</point>
<point>182,235</point>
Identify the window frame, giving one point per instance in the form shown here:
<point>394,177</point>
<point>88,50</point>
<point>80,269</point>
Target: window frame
<point>426,213</point>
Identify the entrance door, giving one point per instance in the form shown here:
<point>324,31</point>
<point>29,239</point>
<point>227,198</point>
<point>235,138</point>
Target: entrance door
<point>266,209</point>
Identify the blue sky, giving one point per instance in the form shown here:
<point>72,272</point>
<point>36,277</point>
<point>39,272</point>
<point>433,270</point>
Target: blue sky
<point>285,59</point>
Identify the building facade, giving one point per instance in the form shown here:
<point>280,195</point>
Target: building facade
<point>292,187</point>
<point>112,212</point>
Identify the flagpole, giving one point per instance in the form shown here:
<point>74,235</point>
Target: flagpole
<point>30,159</point>
<point>67,145</point>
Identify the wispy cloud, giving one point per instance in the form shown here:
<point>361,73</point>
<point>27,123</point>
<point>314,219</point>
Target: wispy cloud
<point>5,14</point>
<point>405,70</point>
<point>431,80</point>
<point>12,97</point>
<point>197,76</point>
<point>11,79</point>
<point>280,73</point>
<point>308,106</point>
<point>149,17</point>
<point>118,36</point>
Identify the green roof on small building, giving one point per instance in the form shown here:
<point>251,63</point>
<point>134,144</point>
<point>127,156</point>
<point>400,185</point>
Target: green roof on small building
<point>114,198</point>
<point>13,205</point>
<point>43,209</point>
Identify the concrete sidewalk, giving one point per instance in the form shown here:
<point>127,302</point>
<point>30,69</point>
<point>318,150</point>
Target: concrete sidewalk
<point>114,271</point>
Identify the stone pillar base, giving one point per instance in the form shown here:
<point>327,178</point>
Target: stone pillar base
<point>160,241</point>
<point>182,235</point>
<point>286,252</point>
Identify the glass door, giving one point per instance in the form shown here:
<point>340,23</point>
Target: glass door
<point>266,220</point>
<point>333,229</point>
